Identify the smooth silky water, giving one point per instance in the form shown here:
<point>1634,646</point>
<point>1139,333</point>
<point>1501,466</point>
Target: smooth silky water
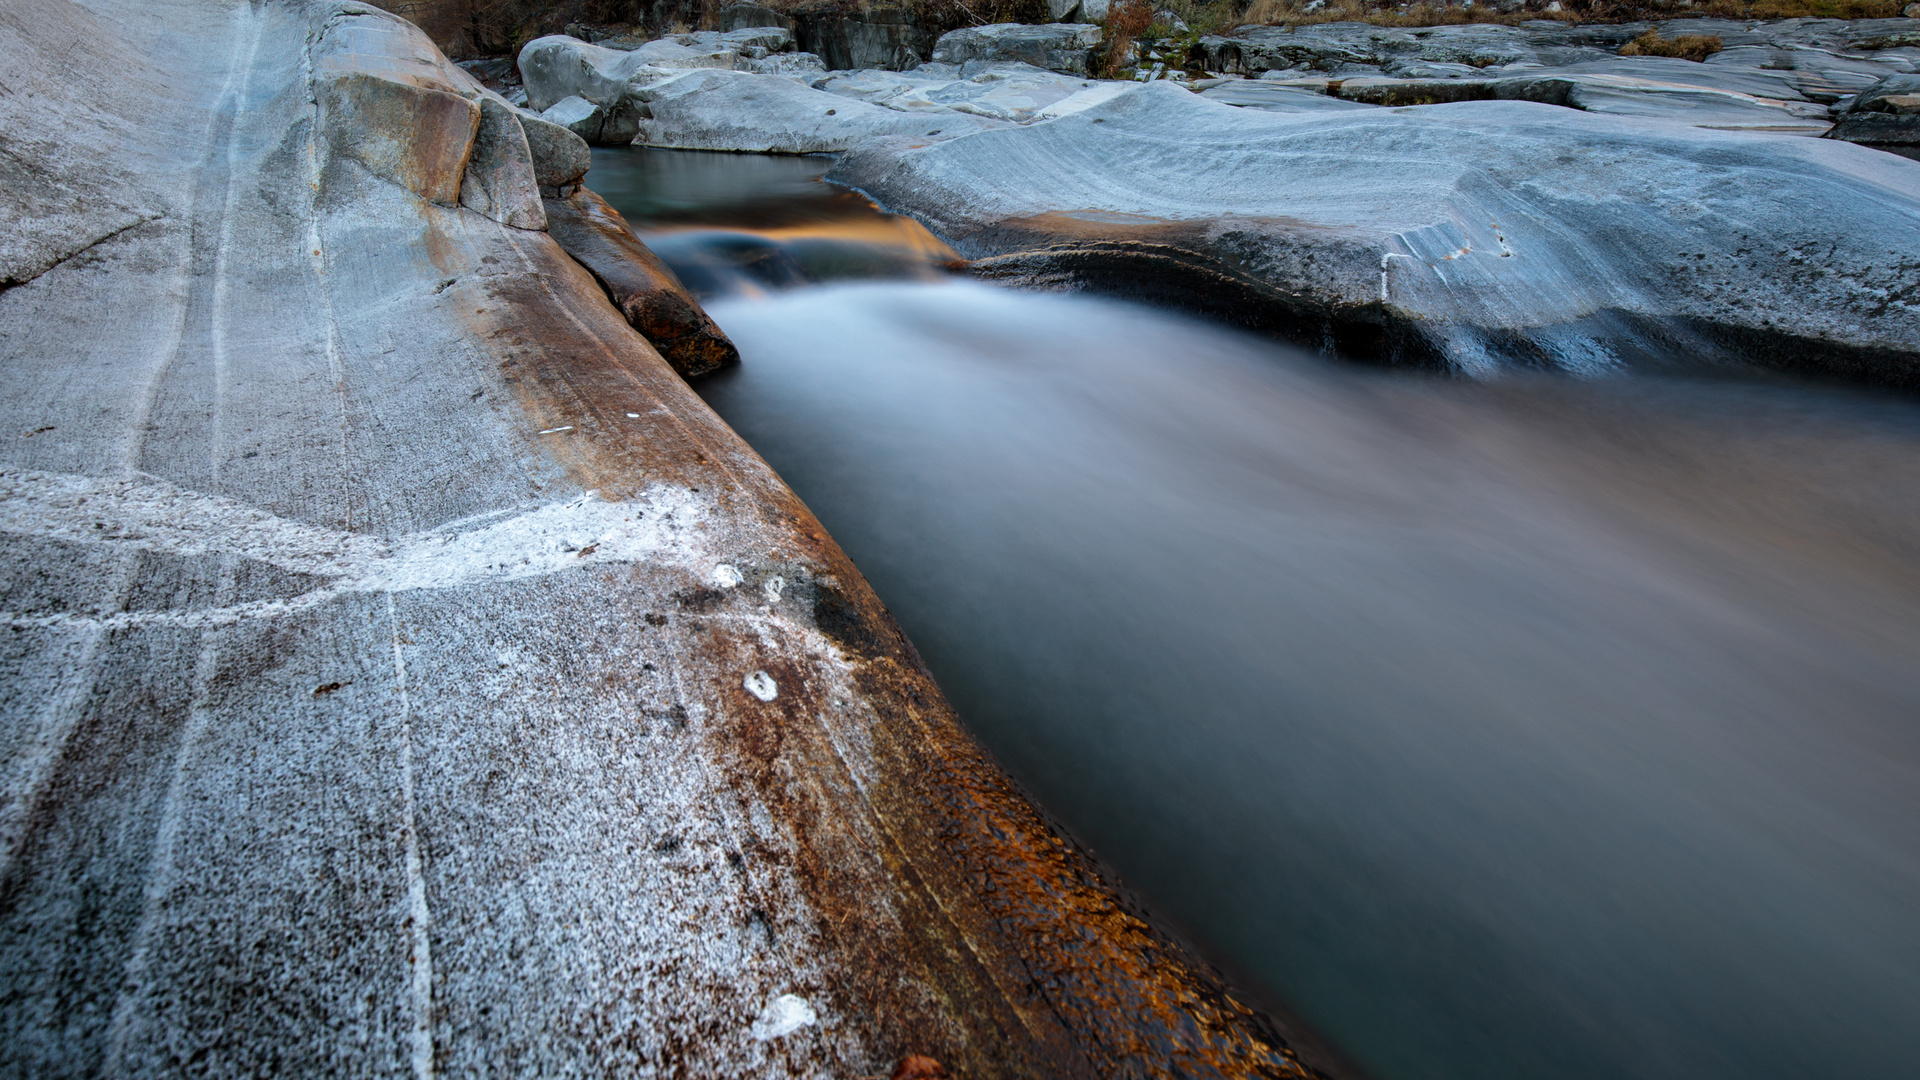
<point>1529,728</point>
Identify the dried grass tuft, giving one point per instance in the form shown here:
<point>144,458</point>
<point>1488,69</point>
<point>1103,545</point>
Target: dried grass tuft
<point>1694,47</point>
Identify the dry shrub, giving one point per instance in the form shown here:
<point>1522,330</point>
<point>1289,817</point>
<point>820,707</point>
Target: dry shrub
<point>1126,21</point>
<point>1694,47</point>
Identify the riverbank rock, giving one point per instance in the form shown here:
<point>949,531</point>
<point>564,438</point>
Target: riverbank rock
<point>739,111</point>
<point>406,672</point>
<point>1477,235</point>
<point>1063,47</point>
<point>1885,117</point>
<point>645,290</point>
<point>1002,90</point>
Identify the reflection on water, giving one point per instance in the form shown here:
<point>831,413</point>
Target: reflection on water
<point>730,223</point>
<point>1535,728</point>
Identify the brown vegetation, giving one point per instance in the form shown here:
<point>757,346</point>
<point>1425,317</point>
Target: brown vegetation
<point>1695,47</point>
<point>1126,21</point>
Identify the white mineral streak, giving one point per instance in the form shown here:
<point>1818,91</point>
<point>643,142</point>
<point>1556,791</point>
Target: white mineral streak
<point>662,525</point>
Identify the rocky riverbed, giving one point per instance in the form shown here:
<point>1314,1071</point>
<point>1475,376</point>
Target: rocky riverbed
<point>1473,197</point>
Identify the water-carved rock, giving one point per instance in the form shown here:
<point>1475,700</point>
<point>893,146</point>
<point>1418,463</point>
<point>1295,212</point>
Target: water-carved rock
<point>1474,235</point>
<point>645,290</point>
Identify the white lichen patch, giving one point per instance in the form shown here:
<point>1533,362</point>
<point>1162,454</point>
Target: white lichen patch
<point>784,1015</point>
<point>726,575</point>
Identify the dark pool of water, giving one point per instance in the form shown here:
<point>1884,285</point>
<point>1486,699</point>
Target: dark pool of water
<point>1532,728</point>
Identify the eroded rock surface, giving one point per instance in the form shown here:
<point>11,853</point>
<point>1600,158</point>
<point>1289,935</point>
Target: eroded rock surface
<point>1475,235</point>
<point>405,672</point>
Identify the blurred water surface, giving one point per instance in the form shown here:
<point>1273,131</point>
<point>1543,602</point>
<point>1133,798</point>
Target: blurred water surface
<point>1528,728</point>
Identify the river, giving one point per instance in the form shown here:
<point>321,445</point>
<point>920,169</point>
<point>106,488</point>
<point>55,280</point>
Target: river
<point>1536,727</point>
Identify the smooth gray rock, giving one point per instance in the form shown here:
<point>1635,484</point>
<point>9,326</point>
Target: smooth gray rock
<point>1056,46</point>
<point>578,115</point>
<point>406,674</point>
<point>997,89</point>
<point>560,156</point>
<point>1329,47</point>
<point>556,67</point>
<point>741,111</point>
<point>501,179</point>
<point>1477,234</point>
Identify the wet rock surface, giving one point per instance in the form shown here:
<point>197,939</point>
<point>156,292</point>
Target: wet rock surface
<point>406,672</point>
<point>639,284</point>
<point>1471,235</point>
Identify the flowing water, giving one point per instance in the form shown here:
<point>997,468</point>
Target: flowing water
<point>1527,728</point>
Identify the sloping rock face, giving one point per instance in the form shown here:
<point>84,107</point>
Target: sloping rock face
<point>1474,235</point>
<point>405,672</point>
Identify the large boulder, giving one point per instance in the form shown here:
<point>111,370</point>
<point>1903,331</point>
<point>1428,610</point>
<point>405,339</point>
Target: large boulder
<point>560,156</point>
<point>1885,117</point>
<point>501,162</point>
<point>557,67</point>
<point>1057,46</point>
<point>564,72</point>
<point>1474,235</point>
